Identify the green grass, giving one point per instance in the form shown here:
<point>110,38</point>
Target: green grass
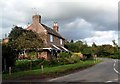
<point>51,70</point>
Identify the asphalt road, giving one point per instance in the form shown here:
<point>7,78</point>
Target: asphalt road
<point>106,71</point>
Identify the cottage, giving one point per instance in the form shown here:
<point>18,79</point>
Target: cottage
<point>52,39</point>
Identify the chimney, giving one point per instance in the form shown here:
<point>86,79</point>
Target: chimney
<point>36,19</point>
<point>55,26</point>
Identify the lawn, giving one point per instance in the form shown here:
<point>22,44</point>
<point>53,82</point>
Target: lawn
<point>50,71</point>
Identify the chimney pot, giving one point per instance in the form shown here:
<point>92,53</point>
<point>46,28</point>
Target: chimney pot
<point>55,26</point>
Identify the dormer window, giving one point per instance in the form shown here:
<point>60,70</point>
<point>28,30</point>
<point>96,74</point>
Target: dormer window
<point>51,38</point>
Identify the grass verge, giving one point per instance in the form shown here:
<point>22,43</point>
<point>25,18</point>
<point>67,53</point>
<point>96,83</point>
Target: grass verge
<point>51,71</point>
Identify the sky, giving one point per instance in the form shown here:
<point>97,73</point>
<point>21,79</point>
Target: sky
<point>86,20</point>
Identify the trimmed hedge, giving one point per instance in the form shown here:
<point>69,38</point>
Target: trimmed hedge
<point>62,59</point>
<point>22,65</point>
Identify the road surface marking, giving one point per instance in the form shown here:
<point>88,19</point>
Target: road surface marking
<point>108,81</point>
<point>115,68</point>
<point>51,80</point>
<point>116,71</point>
<point>114,60</point>
<point>114,64</point>
<point>116,79</point>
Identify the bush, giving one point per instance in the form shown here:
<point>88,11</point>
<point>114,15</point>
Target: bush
<point>87,51</point>
<point>64,55</point>
<point>77,54</point>
<point>75,58</point>
<point>53,62</point>
<point>68,58</point>
<point>22,65</point>
<point>32,55</point>
<point>115,55</point>
<point>88,56</point>
<point>63,58</point>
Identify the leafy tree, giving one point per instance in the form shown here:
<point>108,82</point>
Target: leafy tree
<point>28,39</point>
<point>15,33</point>
<point>72,47</point>
<point>94,45</point>
<point>80,45</point>
<point>72,41</point>
<point>115,46</point>
<point>21,39</point>
<point>8,57</point>
<point>105,50</point>
<point>77,46</point>
<point>94,48</point>
<point>114,43</point>
<point>87,50</point>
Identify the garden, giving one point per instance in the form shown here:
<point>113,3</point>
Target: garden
<point>56,67</point>
<point>63,58</point>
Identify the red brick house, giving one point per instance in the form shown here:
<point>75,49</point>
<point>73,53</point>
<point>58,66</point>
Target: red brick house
<point>52,39</point>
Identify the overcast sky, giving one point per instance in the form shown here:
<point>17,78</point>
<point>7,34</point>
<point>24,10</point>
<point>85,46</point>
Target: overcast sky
<point>86,20</point>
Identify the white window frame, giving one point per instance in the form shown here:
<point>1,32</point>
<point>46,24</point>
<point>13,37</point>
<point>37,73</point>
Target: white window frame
<point>61,42</point>
<point>51,38</point>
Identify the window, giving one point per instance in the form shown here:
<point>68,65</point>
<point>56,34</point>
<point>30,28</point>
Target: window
<point>51,38</point>
<point>61,41</point>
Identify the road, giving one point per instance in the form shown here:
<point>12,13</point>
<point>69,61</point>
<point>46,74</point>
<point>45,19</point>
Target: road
<point>106,71</point>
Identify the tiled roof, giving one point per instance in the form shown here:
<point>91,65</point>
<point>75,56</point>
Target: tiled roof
<point>51,31</point>
<point>29,27</point>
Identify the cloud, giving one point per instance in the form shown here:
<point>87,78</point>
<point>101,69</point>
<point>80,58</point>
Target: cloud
<point>77,29</point>
<point>105,37</point>
<point>77,20</point>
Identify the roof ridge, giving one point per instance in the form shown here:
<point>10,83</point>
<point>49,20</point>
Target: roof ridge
<point>51,31</point>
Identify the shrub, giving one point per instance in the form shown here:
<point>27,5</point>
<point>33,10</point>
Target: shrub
<point>88,56</point>
<point>77,54</point>
<point>22,65</point>
<point>115,55</point>
<point>64,55</point>
<point>63,58</point>
<point>53,62</point>
<point>32,55</point>
<point>75,58</point>
<point>87,51</point>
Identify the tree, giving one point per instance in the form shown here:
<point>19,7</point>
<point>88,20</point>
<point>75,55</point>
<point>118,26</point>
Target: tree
<point>72,41</point>
<point>80,45</point>
<point>94,48</point>
<point>28,39</point>
<point>8,57</point>
<point>22,39</point>
<point>15,33</point>
<point>105,50</point>
<point>77,46</point>
<point>115,46</point>
<point>94,45</point>
<point>114,43</point>
<point>87,50</point>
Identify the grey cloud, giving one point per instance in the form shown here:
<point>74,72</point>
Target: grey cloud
<point>101,18</point>
<point>78,29</point>
<point>95,14</point>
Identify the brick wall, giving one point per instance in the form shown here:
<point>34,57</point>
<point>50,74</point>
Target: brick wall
<point>38,28</point>
<point>46,55</point>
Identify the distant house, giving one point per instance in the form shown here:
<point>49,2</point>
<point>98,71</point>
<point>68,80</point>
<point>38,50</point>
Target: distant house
<point>52,39</point>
